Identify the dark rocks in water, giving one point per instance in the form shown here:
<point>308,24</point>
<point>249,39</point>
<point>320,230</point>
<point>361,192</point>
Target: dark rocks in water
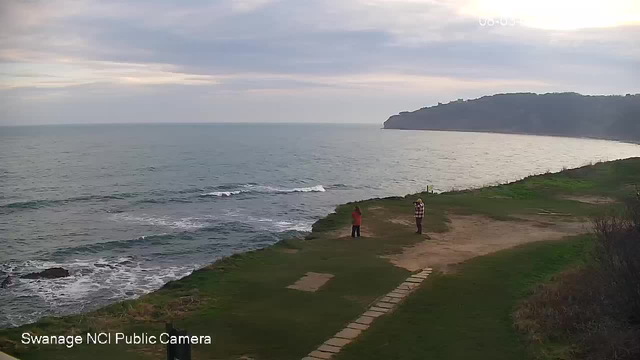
<point>52,273</point>
<point>5,284</point>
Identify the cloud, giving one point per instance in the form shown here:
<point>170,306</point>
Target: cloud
<point>64,52</point>
<point>65,72</point>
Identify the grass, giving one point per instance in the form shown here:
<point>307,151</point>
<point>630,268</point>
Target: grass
<point>467,315</point>
<point>243,303</point>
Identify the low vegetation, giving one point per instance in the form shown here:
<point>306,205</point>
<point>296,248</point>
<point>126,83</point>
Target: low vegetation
<point>593,312</point>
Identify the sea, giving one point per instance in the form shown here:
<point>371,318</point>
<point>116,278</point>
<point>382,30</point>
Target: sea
<point>127,208</point>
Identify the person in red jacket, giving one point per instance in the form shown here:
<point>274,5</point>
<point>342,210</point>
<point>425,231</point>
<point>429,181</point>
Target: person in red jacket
<point>356,217</point>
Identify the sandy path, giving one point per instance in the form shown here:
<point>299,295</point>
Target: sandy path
<point>471,236</point>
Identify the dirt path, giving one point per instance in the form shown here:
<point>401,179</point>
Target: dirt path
<point>471,236</point>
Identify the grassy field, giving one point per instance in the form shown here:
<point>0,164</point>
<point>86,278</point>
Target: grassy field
<point>467,315</point>
<point>243,303</point>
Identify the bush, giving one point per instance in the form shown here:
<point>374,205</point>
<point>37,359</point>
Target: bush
<point>576,311</point>
<point>618,255</point>
<point>592,313</point>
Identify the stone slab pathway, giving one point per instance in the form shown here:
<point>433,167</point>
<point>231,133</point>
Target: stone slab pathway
<point>385,305</point>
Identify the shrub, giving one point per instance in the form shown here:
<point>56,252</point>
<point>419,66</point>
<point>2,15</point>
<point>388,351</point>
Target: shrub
<point>592,313</point>
<point>618,255</point>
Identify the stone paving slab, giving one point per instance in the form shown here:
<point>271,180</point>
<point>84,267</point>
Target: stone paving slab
<point>337,342</point>
<point>358,326</point>
<point>348,333</point>
<point>321,355</point>
<point>4,356</point>
<point>394,294</point>
<point>385,305</point>
<point>329,348</point>
<point>379,309</point>
<point>366,320</point>
<point>373,313</point>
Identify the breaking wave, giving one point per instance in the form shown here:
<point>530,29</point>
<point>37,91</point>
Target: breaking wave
<point>252,188</point>
<point>222,193</point>
<point>92,283</point>
<point>186,224</point>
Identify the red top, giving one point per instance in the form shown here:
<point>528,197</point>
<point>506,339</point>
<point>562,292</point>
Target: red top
<point>357,218</point>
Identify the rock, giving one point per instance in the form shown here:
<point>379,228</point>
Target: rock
<point>52,273</point>
<point>5,284</point>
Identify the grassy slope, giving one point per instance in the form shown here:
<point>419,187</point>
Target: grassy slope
<point>242,300</point>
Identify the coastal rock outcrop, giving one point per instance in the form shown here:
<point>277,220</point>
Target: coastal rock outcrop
<point>52,273</point>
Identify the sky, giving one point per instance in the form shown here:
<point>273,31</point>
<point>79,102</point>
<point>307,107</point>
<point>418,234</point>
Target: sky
<point>338,61</point>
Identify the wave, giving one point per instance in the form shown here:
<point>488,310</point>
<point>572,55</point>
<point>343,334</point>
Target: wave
<point>222,193</point>
<point>37,204</point>
<point>146,240</point>
<point>317,188</point>
<point>92,283</point>
<point>281,225</point>
<point>188,223</point>
<point>339,186</point>
<point>252,188</point>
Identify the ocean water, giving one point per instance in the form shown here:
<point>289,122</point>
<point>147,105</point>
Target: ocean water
<point>127,208</point>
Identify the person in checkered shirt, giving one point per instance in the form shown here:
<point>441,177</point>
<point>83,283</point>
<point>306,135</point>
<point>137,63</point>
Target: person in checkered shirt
<point>419,214</point>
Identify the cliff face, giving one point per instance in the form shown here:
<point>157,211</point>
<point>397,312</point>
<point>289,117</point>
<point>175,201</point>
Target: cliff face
<point>563,114</point>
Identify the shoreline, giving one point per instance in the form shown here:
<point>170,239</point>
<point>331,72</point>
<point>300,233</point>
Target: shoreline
<point>622,141</point>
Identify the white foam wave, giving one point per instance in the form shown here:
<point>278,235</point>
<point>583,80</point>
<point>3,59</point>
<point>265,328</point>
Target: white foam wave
<point>265,189</point>
<point>293,226</point>
<point>182,224</point>
<point>271,189</point>
<point>317,188</point>
<point>143,237</point>
<point>223,193</point>
<point>281,225</point>
<point>92,283</point>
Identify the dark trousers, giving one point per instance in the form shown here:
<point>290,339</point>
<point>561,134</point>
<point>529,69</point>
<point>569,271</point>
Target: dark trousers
<point>355,229</point>
<point>419,225</point>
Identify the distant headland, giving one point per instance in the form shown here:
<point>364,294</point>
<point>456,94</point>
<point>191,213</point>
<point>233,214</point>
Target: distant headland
<point>612,117</point>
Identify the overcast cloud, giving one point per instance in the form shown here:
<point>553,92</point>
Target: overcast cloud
<point>90,61</point>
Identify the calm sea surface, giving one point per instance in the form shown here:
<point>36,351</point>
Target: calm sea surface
<point>127,208</point>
